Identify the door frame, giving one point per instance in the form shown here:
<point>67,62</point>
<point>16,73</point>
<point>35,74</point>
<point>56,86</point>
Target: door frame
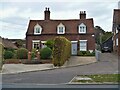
<point>74,42</point>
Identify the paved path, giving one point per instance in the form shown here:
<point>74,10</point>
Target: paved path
<point>64,75</point>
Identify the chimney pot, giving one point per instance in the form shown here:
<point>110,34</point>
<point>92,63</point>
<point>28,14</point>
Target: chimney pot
<point>47,14</point>
<point>82,14</point>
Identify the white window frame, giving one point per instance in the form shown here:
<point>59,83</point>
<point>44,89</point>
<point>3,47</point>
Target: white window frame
<point>116,41</point>
<point>37,26</point>
<point>35,41</point>
<point>116,30</point>
<point>82,28</point>
<point>81,49</point>
<point>58,29</point>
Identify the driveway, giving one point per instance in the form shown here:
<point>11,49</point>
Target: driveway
<point>107,64</point>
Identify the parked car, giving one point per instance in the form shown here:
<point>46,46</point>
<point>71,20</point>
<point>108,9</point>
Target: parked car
<point>106,49</point>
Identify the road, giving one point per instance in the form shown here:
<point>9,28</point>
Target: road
<point>107,64</point>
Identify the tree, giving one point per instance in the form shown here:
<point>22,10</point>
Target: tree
<point>98,34</point>
<point>19,43</point>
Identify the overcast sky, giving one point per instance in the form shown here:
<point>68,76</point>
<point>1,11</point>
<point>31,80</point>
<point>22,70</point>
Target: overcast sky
<point>15,15</point>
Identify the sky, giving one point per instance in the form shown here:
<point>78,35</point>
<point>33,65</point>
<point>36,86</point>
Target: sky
<point>15,14</point>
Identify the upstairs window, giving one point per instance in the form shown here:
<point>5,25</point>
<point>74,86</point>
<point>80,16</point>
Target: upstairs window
<point>82,28</point>
<point>60,29</point>
<point>37,29</point>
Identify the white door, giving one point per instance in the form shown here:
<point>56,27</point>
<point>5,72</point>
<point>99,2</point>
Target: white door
<point>74,48</point>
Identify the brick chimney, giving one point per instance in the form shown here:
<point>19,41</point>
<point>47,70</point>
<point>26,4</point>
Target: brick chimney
<point>47,14</point>
<point>82,15</point>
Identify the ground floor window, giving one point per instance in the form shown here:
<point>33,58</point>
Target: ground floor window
<point>36,44</point>
<point>43,44</point>
<point>83,45</point>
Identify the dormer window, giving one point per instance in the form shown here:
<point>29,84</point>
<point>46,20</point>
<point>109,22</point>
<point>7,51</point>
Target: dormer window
<point>37,29</point>
<point>82,28</point>
<point>60,29</point>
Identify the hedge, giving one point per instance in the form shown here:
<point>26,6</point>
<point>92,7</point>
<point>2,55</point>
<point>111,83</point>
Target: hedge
<point>85,53</point>
<point>61,51</point>
<point>22,53</point>
<point>1,56</point>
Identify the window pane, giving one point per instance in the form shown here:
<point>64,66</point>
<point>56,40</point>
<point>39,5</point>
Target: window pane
<point>83,45</point>
<point>37,30</point>
<point>61,29</point>
<point>36,45</point>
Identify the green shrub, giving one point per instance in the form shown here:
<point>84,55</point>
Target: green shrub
<point>8,54</point>
<point>22,53</point>
<point>32,55</point>
<point>80,53</point>
<point>50,43</point>
<point>85,53</point>
<point>61,51</point>
<point>45,53</point>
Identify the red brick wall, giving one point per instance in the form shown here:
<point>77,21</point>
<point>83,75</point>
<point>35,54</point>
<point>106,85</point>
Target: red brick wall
<point>75,37</point>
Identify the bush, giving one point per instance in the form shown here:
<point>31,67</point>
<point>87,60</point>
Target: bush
<point>22,53</point>
<point>50,44</point>
<point>8,54</point>
<point>61,51</point>
<point>32,55</point>
<point>80,53</point>
<point>85,53</point>
<point>45,53</point>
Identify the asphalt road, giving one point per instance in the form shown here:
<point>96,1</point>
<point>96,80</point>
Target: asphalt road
<point>107,64</point>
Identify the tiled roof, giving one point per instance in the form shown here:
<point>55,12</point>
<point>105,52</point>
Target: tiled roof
<point>50,26</point>
<point>8,44</point>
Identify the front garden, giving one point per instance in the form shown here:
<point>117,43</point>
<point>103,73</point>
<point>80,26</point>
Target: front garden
<point>58,51</point>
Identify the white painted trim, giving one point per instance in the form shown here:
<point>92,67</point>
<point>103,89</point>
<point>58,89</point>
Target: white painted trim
<point>43,41</point>
<point>35,40</point>
<point>82,40</point>
<point>60,25</point>
<point>74,41</point>
<point>37,26</point>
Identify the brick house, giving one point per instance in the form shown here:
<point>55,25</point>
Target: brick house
<point>116,22</point>
<point>79,31</point>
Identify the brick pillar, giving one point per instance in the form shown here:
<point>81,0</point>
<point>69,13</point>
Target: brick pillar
<point>38,55</point>
<point>29,55</point>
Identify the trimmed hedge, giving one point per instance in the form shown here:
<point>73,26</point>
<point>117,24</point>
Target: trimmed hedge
<point>61,51</point>
<point>1,56</point>
<point>8,54</point>
<point>85,53</point>
<point>45,53</point>
<point>22,53</point>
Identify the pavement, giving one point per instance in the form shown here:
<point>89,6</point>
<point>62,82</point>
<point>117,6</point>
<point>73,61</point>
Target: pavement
<point>20,68</point>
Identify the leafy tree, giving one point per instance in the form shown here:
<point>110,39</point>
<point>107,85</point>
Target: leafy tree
<point>19,43</point>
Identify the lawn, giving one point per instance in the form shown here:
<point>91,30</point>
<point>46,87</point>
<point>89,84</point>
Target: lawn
<point>100,78</point>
